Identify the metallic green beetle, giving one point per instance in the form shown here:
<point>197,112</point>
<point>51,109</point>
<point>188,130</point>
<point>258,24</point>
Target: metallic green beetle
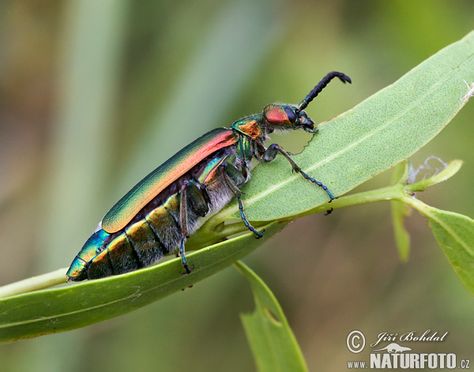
<point>161,211</point>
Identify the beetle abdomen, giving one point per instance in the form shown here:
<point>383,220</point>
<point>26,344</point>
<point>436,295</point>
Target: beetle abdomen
<point>140,244</point>
<point>117,257</point>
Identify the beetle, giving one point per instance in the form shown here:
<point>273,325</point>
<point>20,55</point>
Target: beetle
<point>157,215</point>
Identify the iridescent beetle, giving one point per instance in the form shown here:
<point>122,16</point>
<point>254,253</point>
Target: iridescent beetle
<point>161,211</point>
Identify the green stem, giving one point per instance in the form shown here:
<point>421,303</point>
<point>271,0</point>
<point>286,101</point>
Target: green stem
<point>417,204</point>
<point>395,192</point>
<point>34,283</point>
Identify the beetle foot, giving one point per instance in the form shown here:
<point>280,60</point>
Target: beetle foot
<point>187,269</point>
<point>258,234</point>
<point>329,211</point>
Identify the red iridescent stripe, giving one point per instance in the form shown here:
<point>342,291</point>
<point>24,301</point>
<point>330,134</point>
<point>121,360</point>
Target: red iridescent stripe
<point>163,176</point>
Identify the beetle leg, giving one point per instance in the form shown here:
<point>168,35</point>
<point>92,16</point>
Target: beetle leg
<point>260,150</point>
<point>258,234</point>
<point>183,222</point>
<point>238,194</point>
<point>272,151</point>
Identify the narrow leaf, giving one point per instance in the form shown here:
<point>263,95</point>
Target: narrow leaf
<point>455,235</point>
<point>271,339</point>
<point>400,173</point>
<point>74,306</point>
<point>451,169</point>
<point>378,133</point>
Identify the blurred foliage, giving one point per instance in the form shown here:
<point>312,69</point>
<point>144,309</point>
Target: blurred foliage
<point>271,339</point>
<point>167,72</point>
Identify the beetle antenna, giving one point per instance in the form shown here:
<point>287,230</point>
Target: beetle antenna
<point>321,85</point>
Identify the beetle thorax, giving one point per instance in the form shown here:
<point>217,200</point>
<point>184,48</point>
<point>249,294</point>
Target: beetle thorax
<point>252,129</point>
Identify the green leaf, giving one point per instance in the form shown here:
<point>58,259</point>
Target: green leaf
<point>455,235</point>
<point>451,169</point>
<point>273,344</point>
<point>378,133</point>
<point>400,173</point>
<point>74,306</point>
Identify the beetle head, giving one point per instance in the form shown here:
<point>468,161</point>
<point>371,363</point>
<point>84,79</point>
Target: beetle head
<point>283,116</point>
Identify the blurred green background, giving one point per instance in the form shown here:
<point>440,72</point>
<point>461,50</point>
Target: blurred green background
<point>94,94</point>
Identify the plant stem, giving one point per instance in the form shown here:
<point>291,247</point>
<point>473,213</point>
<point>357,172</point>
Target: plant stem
<point>422,208</point>
<point>395,192</point>
<point>34,283</point>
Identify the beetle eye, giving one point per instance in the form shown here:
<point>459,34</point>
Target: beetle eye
<point>275,115</point>
<point>291,114</point>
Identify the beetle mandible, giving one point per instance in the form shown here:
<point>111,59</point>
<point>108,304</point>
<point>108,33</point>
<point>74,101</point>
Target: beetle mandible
<point>157,215</point>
